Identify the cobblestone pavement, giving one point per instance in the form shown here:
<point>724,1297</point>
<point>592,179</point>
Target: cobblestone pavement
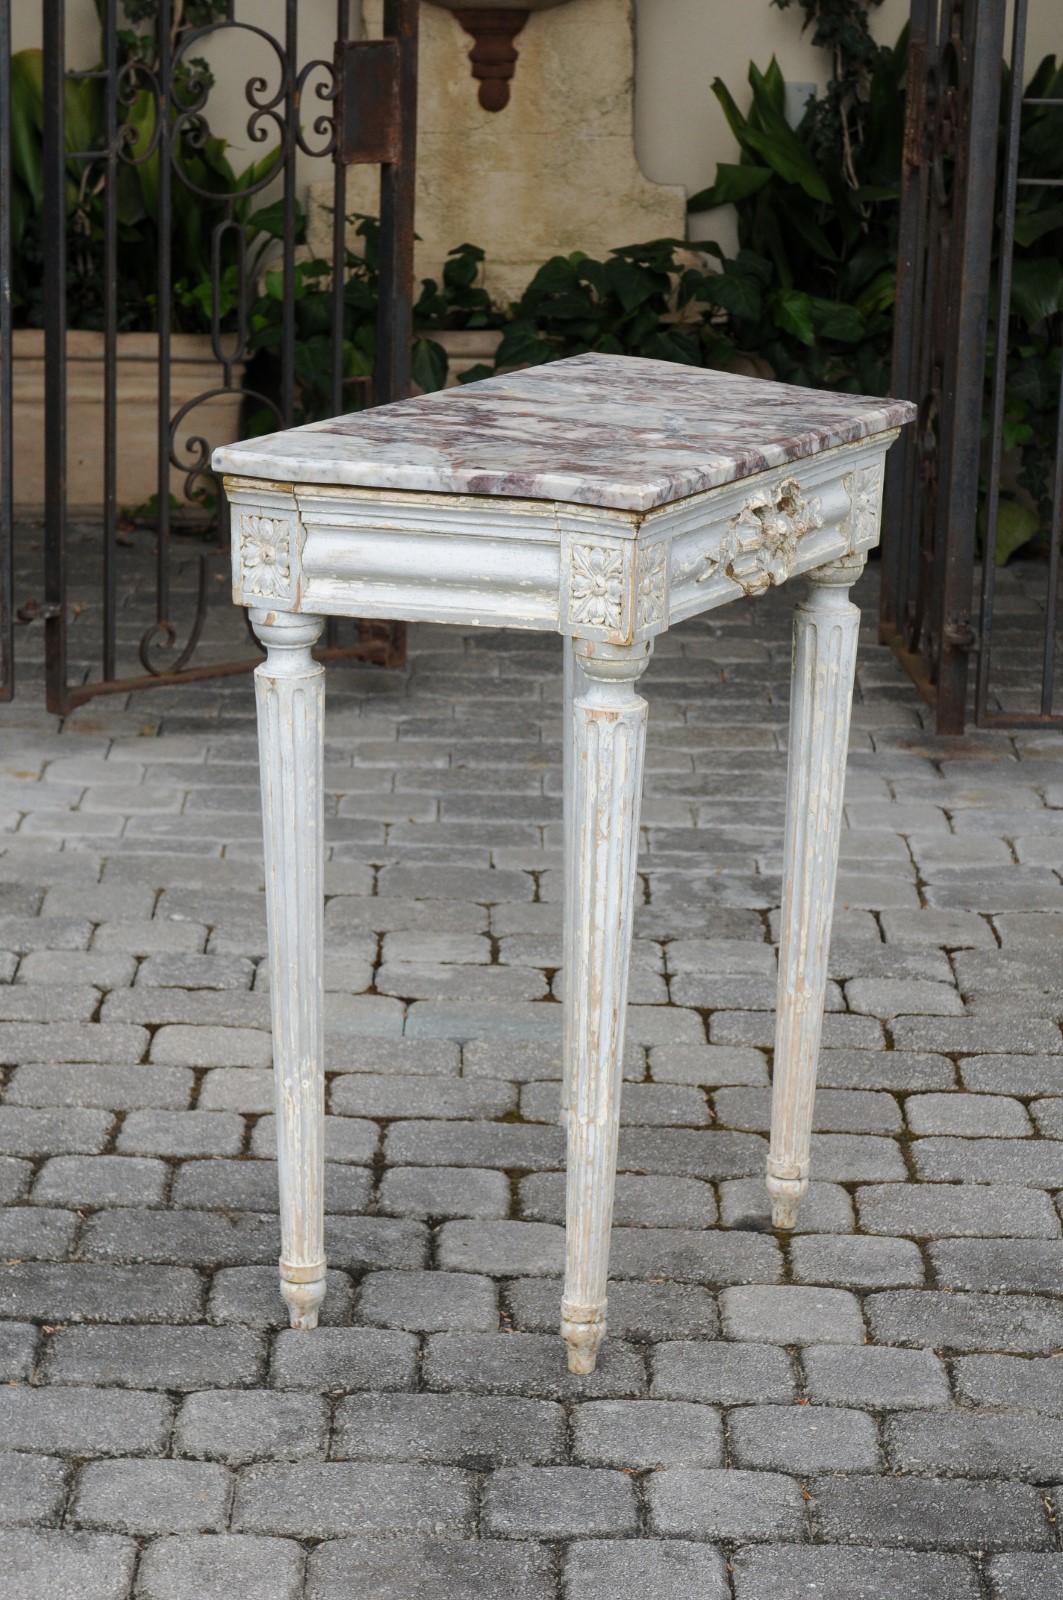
<point>871,1410</point>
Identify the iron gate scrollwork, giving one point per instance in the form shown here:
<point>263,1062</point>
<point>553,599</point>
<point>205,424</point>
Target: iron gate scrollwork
<point>133,134</point>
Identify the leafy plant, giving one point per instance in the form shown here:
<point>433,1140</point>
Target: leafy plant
<point>620,306</point>
<point>456,302</point>
<point>838,117</point>
<point>811,289</point>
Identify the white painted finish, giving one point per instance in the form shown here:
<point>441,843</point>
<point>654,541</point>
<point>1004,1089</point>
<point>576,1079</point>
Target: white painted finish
<point>594,572</point>
<point>608,742</point>
<point>609,579</point>
<point>568,833</point>
<point>290,693</point>
<point>826,628</point>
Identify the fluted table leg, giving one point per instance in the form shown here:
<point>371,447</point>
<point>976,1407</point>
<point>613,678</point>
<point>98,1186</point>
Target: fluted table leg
<point>290,691</point>
<point>826,628</point>
<point>608,741</point>
<point>573,683</point>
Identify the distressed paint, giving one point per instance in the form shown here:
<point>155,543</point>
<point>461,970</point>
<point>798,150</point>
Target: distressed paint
<point>668,492</point>
<point>290,695</point>
<point>608,743</point>
<point>826,628</point>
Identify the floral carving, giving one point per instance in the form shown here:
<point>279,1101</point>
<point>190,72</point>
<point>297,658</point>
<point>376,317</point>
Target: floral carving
<point>864,488</point>
<point>650,576</point>
<point>596,593</point>
<point>768,527</point>
<point>265,555</point>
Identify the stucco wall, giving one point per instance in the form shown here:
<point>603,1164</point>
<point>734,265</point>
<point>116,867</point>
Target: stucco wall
<point>681,45</point>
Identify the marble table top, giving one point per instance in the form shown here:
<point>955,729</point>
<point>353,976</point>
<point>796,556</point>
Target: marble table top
<point>597,430</point>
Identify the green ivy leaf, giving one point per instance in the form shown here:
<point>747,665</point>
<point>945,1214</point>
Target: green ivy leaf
<point>1037,289</point>
<point>632,285</point>
<point>792,310</point>
<point>429,365</point>
<point>835,320</point>
<point>734,292</point>
<point>1033,223</point>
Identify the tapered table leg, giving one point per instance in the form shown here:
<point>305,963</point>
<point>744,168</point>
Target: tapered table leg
<point>573,682</point>
<point>608,741</point>
<point>826,628</point>
<point>290,691</point>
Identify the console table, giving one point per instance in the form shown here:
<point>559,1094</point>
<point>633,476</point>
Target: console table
<point>603,498</point>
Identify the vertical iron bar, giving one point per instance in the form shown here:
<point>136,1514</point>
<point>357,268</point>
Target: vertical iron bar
<point>964,375</point>
<point>164,311</point>
<point>339,242</point>
<point>54,284</point>
<point>291,148</point>
<point>1000,371</point>
<point>1048,666</point>
<point>394,313</point>
<point>110,334</point>
<point>339,219</point>
<point>910,251</point>
<point>919,503</point>
<point>7,442</point>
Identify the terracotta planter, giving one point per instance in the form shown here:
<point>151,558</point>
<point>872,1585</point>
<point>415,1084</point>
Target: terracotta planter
<point>194,371</point>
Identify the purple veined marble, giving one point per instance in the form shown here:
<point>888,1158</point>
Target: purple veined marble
<point>596,430</point>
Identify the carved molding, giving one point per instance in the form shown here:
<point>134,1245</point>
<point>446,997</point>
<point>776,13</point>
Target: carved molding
<point>651,585</point>
<point>766,529</point>
<point>596,586</point>
<point>265,555</point>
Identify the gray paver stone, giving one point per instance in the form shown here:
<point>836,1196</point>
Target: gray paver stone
<point>242,1425</point>
<point>67,1566</point>
<point>558,1503</point>
<point>803,1439</point>
<point>475,1431</point>
<point>728,1504</point>
<point>459,1569</point>
<point>653,1569</point>
<point>220,1567</point>
<point>788,1572</point>
<point>152,1496</point>
<point>875,1376</point>
<point>646,1433</point>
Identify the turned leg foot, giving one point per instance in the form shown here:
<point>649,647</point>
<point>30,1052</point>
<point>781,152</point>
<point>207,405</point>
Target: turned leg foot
<point>302,1296</point>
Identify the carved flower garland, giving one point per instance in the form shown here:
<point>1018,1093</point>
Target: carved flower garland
<point>597,586</point>
<point>776,520</point>
<point>265,555</point>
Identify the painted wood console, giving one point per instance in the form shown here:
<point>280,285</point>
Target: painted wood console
<point>603,498</point>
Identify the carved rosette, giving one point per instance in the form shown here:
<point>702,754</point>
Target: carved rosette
<point>864,488</point>
<point>651,573</point>
<point>766,532</point>
<point>596,586</point>
<point>265,556</point>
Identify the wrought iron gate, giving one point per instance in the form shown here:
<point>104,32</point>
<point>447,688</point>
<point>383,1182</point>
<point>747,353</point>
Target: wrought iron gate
<point>288,328</point>
<point>955,307</point>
